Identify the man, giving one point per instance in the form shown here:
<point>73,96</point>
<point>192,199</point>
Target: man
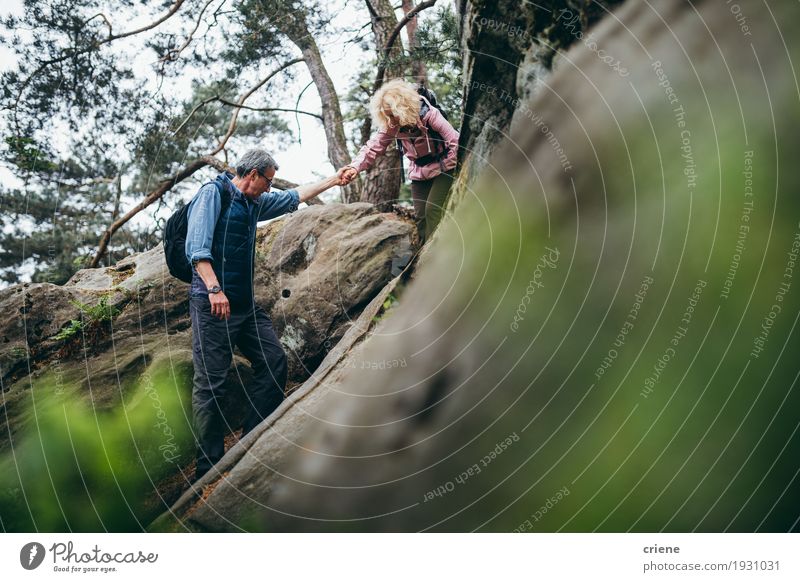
<point>220,245</point>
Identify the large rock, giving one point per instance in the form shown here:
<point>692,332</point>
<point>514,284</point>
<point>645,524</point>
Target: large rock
<point>316,270</point>
<point>232,495</point>
<point>322,267</point>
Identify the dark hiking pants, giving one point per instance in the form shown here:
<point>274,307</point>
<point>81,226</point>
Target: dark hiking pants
<point>430,198</point>
<point>213,341</point>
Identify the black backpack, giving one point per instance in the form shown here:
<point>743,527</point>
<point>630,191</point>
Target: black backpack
<point>175,238</point>
<point>431,97</point>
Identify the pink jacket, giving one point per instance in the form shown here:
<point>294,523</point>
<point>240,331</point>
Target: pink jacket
<point>416,144</point>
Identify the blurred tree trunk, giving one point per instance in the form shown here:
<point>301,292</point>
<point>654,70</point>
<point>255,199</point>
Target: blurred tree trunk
<point>501,420</point>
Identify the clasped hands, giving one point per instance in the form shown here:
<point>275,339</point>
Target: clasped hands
<point>346,175</point>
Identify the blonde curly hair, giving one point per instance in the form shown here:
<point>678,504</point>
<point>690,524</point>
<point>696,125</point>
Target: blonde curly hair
<point>397,98</point>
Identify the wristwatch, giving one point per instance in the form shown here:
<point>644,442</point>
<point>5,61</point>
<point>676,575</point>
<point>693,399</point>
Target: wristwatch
<point>215,289</point>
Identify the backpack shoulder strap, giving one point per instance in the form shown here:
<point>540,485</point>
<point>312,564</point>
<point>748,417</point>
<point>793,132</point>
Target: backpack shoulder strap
<point>423,108</point>
<point>224,195</point>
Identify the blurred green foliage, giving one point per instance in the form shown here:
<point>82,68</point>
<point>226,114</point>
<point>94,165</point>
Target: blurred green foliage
<point>82,469</point>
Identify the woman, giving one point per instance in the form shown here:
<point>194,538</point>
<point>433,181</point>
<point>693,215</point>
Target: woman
<point>428,141</point>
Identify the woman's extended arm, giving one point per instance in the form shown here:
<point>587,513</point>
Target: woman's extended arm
<point>376,145</point>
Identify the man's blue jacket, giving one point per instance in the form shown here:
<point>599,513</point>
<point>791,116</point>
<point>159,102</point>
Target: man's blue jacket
<point>228,240</point>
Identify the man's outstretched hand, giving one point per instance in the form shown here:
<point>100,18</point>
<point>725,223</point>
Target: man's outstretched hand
<point>346,175</point>
<point>342,177</point>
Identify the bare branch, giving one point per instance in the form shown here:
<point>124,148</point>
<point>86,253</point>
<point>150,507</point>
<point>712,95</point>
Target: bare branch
<point>174,54</point>
<point>163,187</point>
<point>152,25</point>
<point>243,98</point>
<point>66,54</point>
<point>230,103</point>
<point>217,164</point>
<point>193,111</point>
<point>393,37</point>
<point>238,105</point>
<point>103,16</point>
<point>296,106</point>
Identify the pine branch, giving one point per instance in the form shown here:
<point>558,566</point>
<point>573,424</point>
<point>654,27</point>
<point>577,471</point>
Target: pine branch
<point>393,37</point>
<point>69,54</point>
<point>173,55</point>
<point>162,188</point>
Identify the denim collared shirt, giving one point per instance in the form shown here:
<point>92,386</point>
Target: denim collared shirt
<point>204,212</point>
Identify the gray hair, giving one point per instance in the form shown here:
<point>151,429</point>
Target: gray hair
<point>259,160</point>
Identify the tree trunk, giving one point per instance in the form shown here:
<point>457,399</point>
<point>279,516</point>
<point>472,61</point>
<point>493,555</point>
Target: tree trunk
<point>418,69</point>
<point>294,25</point>
<point>527,57</point>
<point>381,183</point>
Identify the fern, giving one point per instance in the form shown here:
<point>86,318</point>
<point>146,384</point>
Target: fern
<point>91,315</point>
